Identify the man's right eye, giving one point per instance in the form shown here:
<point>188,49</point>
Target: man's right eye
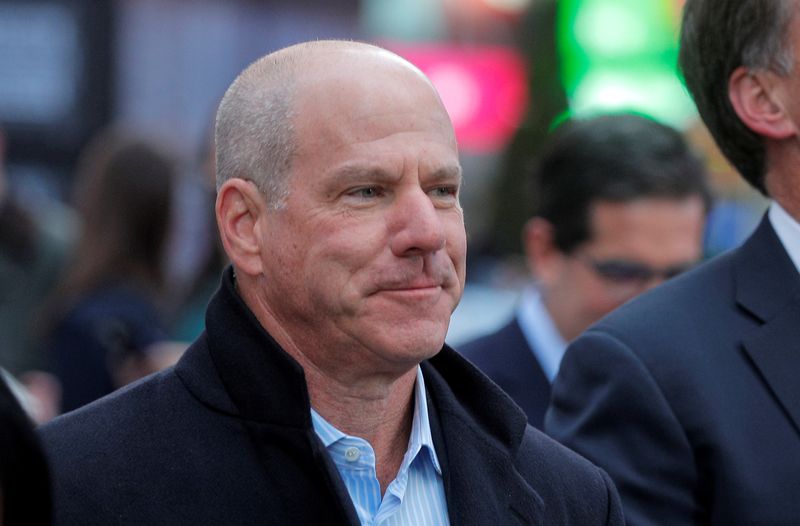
<point>366,192</point>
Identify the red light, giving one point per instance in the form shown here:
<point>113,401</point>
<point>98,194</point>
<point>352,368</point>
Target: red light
<point>483,88</point>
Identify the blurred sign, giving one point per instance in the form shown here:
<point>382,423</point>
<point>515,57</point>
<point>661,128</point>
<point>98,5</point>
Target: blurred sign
<point>54,75</point>
<point>484,89</point>
<point>39,62</point>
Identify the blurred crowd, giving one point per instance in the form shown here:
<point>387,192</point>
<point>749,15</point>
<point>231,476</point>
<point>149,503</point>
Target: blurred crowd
<point>91,297</point>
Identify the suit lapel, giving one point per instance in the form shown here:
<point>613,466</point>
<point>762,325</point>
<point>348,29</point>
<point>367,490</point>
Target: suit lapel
<point>775,351</point>
<point>530,382</point>
<point>768,287</point>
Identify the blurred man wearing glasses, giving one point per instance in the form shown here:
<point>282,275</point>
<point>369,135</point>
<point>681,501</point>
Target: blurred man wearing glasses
<point>620,203</point>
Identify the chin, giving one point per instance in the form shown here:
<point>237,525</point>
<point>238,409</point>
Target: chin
<point>414,344</point>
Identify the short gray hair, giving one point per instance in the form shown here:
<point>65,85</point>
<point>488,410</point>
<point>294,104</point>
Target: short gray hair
<point>254,134</point>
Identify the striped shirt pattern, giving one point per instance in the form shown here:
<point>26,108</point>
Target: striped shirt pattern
<point>415,497</point>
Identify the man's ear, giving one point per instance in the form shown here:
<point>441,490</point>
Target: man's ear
<point>239,207</point>
<point>757,102</point>
<point>544,258</point>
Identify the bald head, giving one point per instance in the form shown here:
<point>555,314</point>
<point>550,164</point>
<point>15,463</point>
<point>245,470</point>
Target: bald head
<point>255,134</point>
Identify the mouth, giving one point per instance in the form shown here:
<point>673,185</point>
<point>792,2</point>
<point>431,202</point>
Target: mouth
<point>410,285</point>
<point>412,288</point>
<point>415,285</point>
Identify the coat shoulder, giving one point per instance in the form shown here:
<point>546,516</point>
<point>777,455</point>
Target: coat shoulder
<point>574,490</point>
<point>112,460</point>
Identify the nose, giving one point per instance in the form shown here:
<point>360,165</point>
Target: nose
<point>416,225</point>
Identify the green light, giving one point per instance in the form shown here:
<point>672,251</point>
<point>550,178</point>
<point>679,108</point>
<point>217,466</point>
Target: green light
<point>622,55</point>
<point>597,29</point>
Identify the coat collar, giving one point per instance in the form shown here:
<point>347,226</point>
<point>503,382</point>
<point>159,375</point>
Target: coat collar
<point>768,287</point>
<point>263,381</point>
<point>237,368</point>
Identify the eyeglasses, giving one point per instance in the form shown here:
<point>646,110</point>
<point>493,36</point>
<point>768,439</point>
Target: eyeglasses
<point>624,271</point>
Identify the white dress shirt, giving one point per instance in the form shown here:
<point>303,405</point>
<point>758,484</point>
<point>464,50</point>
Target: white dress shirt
<point>788,230</point>
<point>540,332</point>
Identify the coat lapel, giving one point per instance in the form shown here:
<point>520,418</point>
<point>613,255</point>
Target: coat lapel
<point>768,287</point>
<point>481,481</point>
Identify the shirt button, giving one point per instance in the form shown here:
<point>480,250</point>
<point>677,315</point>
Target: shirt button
<point>351,454</point>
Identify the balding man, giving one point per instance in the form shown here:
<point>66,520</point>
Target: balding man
<point>321,391</point>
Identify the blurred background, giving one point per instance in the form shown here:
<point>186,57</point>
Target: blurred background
<point>507,70</point>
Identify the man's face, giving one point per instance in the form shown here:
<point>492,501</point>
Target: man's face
<point>368,253</point>
<point>634,246</point>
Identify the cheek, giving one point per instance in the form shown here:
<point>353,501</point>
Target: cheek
<point>588,294</point>
<point>458,252</point>
<point>343,256</point>
<point>606,298</point>
<point>457,242</point>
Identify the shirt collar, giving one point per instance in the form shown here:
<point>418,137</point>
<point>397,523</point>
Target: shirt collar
<point>419,438</point>
<point>546,343</point>
<point>788,231</point>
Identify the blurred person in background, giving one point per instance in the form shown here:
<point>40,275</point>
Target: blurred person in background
<point>620,205</point>
<point>689,394</point>
<point>106,312</point>
<point>25,495</point>
<point>32,253</point>
<point>321,392</point>
<point>199,285</point>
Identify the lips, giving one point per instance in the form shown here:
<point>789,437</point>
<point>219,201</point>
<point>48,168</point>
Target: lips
<point>416,285</point>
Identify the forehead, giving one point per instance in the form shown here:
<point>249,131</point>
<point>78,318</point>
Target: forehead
<point>376,109</point>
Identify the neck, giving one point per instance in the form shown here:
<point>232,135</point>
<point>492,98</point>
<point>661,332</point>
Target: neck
<point>379,411</point>
<point>783,177</point>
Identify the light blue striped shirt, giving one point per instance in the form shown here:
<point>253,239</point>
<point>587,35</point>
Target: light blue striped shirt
<point>416,495</point>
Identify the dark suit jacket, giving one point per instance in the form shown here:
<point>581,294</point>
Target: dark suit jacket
<point>226,437</point>
<point>506,358</point>
<point>690,395</point>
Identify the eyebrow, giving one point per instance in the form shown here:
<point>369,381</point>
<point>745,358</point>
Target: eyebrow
<point>448,172</point>
<point>357,173</point>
